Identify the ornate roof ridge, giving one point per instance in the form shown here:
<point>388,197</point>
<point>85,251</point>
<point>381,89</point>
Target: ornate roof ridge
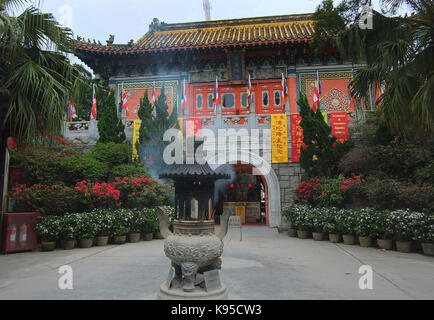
<point>230,22</point>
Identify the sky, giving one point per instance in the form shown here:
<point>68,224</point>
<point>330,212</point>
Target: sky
<point>130,19</point>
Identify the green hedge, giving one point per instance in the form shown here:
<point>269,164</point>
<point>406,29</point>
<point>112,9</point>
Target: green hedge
<point>99,222</point>
<point>384,224</point>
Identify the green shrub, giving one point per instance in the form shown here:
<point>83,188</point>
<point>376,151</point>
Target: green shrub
<point>112,154</point>
<point>132,170</point>
<point>86,227</point>
<point>384,224</point>
<point>399,159</point>
<point>37,165</point>
<point>79,167</point>
<point>48,228</point>
<point>360,159</point>
<point>54,200</point>
<point>425,174</point>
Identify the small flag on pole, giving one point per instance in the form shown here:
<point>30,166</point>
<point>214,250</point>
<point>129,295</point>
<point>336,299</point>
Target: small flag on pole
<point>123,103</point>
<point>317,93</point>
<point>153,94</point>
<point>249,94</point>
<point>71,111</point>
<point>215,95</point>
<point>154,112</point>
<point>93,113</point>
<point>183,97</point>
<point>284,90</point>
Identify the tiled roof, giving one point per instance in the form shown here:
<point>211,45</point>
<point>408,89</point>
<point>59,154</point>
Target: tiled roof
<point>219,33</point>
<point>194,171</point>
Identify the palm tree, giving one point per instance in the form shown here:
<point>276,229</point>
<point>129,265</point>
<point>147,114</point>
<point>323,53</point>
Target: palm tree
<point>398,54</point>
<point>35,70</point>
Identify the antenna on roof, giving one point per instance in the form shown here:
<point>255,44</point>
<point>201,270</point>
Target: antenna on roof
<point>207,8</point>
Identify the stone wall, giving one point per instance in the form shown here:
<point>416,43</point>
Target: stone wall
<point>289,175</point>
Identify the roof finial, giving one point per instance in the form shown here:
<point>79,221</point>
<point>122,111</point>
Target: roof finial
<point>111,39</point>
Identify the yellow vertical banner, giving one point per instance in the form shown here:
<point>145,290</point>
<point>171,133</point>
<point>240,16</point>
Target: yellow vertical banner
<point>241,212</point>
<point>279,138</point>
<point>136,135</point>
<point>325,115</point>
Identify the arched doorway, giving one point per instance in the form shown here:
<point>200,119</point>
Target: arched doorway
<point>271,185</point>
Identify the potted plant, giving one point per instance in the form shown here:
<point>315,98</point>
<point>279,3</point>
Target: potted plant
<point>148,223</point>
<point>134,223</point>
<point>104,222</point>
<point>384,230</point>
<point>303,221</point>
<point>86,230</point>
<point>348,224</point>
<point>289,213</point>
<point>404,223</point>
<point>48,229</point>
<point>366,220</point>
<point>332,225</point>
<point>68,226</point>
<point>318,221</point>
<point>120,226</point>
<point>424,232</point>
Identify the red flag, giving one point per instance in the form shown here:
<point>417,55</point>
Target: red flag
<point>93,113</point>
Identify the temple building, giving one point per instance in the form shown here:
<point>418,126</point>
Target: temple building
<point>264,48</point>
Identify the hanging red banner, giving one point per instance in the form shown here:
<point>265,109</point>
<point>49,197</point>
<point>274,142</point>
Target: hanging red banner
<point>296,137</point>
<point>339,123</point>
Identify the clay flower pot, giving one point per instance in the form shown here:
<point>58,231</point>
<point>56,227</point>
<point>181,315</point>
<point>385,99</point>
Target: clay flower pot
<point>403,246</point>
<point>292,232</point>
<point>318,236</point>
<point>148,236</point>
<point>302,234</point>
<point>333,237</point>
<point>102,241</point>
<point>134,237</point>
<point>86,243</point>
<point>365,241</point>
<point>120,239</point>
<point>48,245</point>
<point>67,244</point>
<point>385,244</point>
<point>349,239</point>
<point>428,248</point>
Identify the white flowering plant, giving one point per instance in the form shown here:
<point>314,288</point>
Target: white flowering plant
<point>366,220</point>
<point>48,228</point>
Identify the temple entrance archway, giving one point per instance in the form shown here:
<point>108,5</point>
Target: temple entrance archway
<point>268,179</point>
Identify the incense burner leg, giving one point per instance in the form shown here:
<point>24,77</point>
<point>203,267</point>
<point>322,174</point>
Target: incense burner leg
<point>189,271</point>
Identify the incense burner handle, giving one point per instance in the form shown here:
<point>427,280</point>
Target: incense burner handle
<point>163,219</point>
<point>224,224</point>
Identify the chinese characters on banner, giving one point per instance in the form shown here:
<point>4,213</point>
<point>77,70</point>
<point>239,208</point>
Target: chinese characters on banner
<point>136,135</point>
<point>279,138</point>
<point>339,123</point>
<point>296,137</point>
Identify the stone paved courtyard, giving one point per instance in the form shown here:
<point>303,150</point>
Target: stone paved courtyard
<point>265,265</point>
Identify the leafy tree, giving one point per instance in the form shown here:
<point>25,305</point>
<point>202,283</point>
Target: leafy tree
<point>145,114</point>
<point>321,151</point>
<point>110,127</point>
<point>398,55</point>
<point>35,70</point>
<point>152,146</point>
